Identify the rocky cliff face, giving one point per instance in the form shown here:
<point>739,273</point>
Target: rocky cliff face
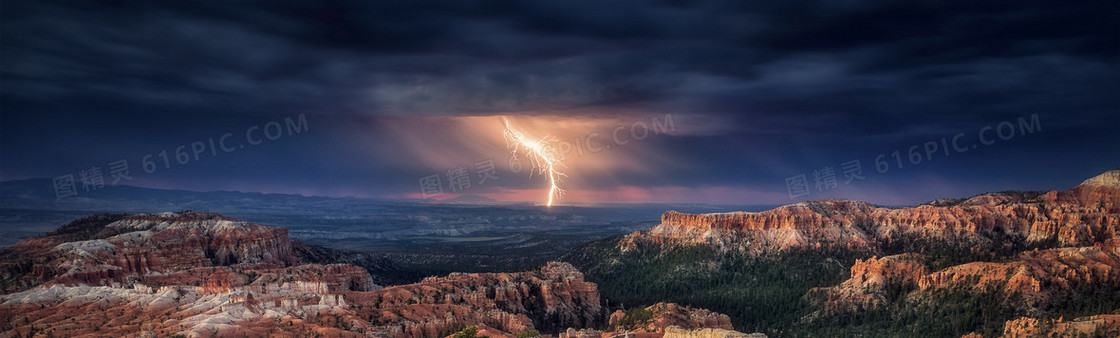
<point>1028,283</point>
<point>556,296</point>
<point>870,279</point>
<point>143,248</point>
<point>677,332</point>
<point>1037,275</point>
<point>664,315</point>
<point>327,278</point>
<point>1109,179</point>
<point>1080,216</point>
<point>1090,326</point>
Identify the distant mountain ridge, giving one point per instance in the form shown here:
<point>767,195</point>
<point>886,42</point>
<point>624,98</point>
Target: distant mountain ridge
<point>40,194</point>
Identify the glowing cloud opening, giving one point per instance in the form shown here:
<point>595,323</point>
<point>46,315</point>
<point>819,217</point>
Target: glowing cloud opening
<point>541,153</point>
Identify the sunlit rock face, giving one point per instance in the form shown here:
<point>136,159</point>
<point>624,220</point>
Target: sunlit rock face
<point>870,279</point>
<point>665,315</point>
<point>1089,326</point>
<point>677,332</point>
<point>1032,280</point>
<point>1109,179</point>
<point>1037,276</point>
<point>1081,216</point>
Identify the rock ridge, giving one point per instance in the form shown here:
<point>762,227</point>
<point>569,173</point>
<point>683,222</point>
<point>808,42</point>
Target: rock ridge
<point>1081,216</point>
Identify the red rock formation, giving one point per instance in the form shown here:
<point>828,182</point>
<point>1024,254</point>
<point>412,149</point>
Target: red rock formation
<point>486,331</point>
<point>137,247</point>
<point>677,332</point>
<point>333,277</point>
<point>665,315</point>
<point>591,333</point>
<point>1091,326</point>
<point>555,295</point>
<point>1034,278</point>
<point>1083,215</point>
<point>1036,274</point>
<point>216,286</point>
<point>867,286</point>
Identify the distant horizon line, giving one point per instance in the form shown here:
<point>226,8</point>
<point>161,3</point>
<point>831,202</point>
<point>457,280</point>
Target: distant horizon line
<point>495,202</point>
<point>428,200</point>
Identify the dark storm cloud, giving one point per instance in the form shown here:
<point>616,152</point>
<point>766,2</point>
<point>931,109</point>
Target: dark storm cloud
<point>777,87</point>
<point>451,57</point>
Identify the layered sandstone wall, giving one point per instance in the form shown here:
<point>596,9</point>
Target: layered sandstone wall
<point>1080,216</point>
<point>1089,326</point>
<point>1033,279</point>
<point>556,295</point>
<point>137,247</point>
<point>664,315</point>
<point>677,332</point>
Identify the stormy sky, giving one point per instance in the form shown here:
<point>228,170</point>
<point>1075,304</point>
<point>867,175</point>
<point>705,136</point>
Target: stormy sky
<point>725,102</point>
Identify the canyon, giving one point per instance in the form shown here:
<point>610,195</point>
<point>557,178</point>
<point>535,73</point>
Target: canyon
<point>203,274</point>
<point>1023,261</point>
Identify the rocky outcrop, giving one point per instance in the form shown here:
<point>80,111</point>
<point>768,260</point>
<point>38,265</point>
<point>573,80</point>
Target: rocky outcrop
<point>664,315</point>
<point>556,296</point>
<point>1036,275</point>
<point>1091,326</point>
<point>485,331</point>
<point>1080,216</point>
<point>870,279</point>
<point>583,333</point>
<point>1035,278</point>
<point>677,332</point>
<point>133,248</point>
<point>196,236</point>
<point>1109,179</point>
<point>671,331</point>
<point>317,278</point>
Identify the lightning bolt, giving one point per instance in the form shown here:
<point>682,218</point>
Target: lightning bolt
<point>542,153</point>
